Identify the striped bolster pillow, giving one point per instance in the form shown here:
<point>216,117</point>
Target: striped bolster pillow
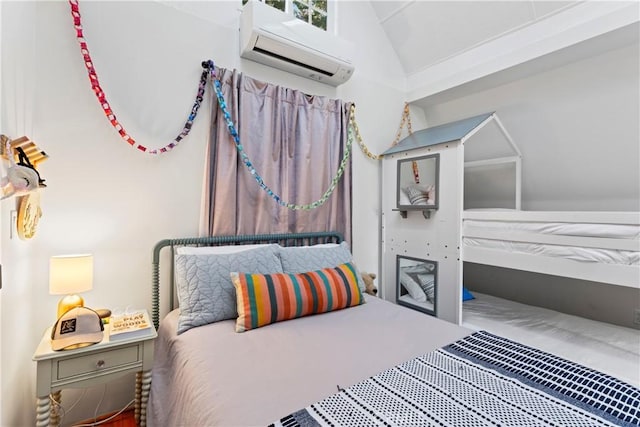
<point>268,298</point>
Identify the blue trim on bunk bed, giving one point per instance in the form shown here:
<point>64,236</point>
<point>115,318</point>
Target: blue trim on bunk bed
<point>447,132</point>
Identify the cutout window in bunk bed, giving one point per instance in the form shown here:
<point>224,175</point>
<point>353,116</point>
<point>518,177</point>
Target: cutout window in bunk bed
<point>416,283</point>
<point>418,187</point>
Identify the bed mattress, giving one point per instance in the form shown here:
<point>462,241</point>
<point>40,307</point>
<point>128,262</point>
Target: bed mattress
<point>211,375</point>
<point>611,349</point>
<point>576,253</point>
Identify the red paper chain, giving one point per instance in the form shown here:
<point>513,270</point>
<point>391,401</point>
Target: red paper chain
<point>102,99</point>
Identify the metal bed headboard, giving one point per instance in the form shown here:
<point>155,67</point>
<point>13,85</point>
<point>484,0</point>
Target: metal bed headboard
<point>292,239</point>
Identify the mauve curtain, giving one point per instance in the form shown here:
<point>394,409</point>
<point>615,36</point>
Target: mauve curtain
<point>295,141</point>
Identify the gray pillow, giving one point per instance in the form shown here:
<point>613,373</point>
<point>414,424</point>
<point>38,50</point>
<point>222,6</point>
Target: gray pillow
<point>427,282</point>
<point>205,291</point>
<point>300,259</point>
<point>413,287</point>
<point>416,196</point>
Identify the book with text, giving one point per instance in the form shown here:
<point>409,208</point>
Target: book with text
<point>129,325</point>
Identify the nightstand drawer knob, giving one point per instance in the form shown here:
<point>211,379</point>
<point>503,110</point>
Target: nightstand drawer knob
<point>100,364</point>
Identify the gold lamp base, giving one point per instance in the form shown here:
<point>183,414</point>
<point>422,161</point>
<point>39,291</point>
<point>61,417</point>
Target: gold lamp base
<point>68,302</point>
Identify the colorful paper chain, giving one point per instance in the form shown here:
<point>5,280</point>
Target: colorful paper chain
<point>102,99</point>
<point>406,120</point>
<point>209,68</point>
<point>256,175</point>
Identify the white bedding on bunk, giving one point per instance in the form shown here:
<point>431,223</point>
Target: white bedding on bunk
<point>612,349</point>
<point>596,246</point>
<point>577,253</point>
<point>615,231</point>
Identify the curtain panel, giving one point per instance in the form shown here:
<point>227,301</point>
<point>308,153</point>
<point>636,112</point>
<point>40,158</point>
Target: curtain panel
<point>295,142</point>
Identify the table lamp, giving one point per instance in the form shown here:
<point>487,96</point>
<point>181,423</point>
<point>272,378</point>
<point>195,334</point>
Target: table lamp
<point>69,275</point>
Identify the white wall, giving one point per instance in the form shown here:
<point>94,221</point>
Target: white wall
<point>577,127</point>
<point>106,198</point>
<point>567,28</point>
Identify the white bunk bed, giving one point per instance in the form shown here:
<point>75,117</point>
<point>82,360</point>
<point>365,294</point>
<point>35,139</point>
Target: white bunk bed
<point>602,247</point>
<point>596,246</point>
<point>493,230</point>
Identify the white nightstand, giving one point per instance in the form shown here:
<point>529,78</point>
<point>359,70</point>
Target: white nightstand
<point>89,366</point>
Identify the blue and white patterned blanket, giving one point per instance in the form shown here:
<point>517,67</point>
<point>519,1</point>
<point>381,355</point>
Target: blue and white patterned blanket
<point>480,380</point>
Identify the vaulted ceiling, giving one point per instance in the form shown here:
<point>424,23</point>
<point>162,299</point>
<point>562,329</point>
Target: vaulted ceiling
<point>424,33</point>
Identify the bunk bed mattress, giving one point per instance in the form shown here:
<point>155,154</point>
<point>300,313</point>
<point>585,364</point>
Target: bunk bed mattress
<point>576,253</point>
<point>612,349</point>
<point>211,375</point>
<point>616,231</point>
<point>595,246</point>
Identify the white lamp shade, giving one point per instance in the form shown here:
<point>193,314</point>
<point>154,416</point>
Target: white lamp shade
<point>70,274</point>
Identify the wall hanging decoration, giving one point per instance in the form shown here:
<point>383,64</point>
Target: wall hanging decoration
<point>22,179</point>
<point>405,121</point>
<point>102,99</point>
<point>29,213</point>
<point>362,145</point>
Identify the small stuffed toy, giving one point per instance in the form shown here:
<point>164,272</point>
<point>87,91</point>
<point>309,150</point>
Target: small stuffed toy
<point>370,288</point>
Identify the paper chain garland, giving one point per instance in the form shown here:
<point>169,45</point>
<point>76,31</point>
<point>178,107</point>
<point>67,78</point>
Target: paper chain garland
<point>258,178</point>
<point>208,68</point>
<point>406,120</point>
<point>102,99</point>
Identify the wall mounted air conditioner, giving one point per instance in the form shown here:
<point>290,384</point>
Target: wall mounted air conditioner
<point>279,40</point>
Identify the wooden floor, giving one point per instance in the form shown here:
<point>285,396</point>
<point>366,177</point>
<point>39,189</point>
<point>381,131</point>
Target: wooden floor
<point>126,419</point>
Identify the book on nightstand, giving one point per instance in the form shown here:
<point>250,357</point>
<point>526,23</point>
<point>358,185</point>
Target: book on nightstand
<point>129,325</point>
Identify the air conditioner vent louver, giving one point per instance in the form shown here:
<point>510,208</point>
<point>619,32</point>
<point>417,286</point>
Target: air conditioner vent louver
<point>274,38</point>
<point>292,61</point>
